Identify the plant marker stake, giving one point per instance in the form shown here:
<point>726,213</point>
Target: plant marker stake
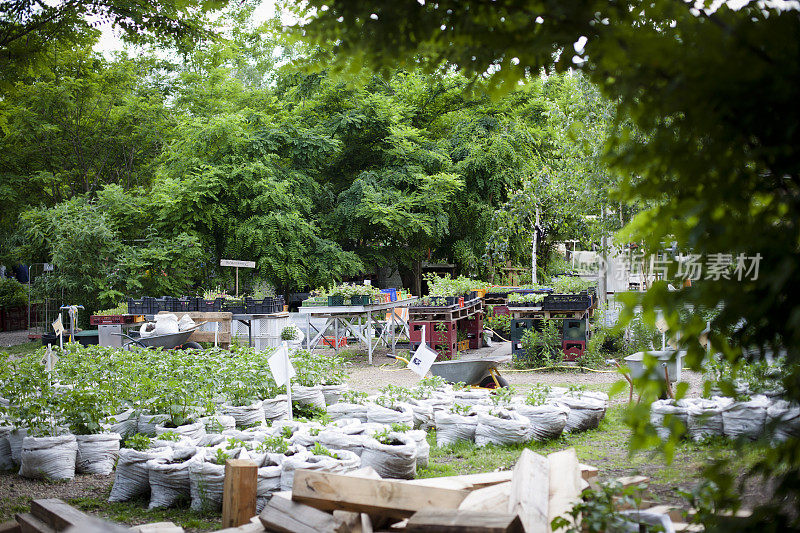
<point>216,334</point>
<point>288,379</point>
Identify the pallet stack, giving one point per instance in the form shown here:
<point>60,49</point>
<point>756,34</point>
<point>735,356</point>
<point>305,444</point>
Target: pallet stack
<point>442,325</point>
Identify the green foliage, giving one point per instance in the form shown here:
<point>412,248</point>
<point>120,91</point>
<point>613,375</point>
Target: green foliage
<point>569,285</point>
<point>517,297</point>
<point>12,293</point>
<point>307,411</point>
<point>598,510</point>
<point>137,442</point>
<point>542,348</point>
<point>503,396</point>
<point>170,436</point>
<point>353,396</point>
<point>314,368</point>
<point>319,449</point>
<point>220,457</point>
<point>538,394</point>
<point>288,333</point>
<point>277,444</point>
<point>501,324</point>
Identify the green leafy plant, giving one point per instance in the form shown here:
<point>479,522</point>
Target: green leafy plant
<point>275,444</point>
<point>220,457</point>
<point>400,428</point>
<point>170,436</point>
<point>289,333</point>
<point>598,510</point>
<point>569,285</point>
<point>460,409</point>
<point>542,348</point>
<point>516,297</point>
<point>538,394</point>
<point>287,432</point>
<point>503,395</point>
<point>319,449</point>
<point>356,397</point>
<point>137,442</point>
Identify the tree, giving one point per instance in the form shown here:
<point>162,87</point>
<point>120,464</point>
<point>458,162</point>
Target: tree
<point>29,28</point>
<point>718,166</point>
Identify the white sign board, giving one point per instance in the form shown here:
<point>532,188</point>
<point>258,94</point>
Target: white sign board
<point>422,358</point>
<point>280,366</point>
<point>240,264</point>
<point>58,326</point>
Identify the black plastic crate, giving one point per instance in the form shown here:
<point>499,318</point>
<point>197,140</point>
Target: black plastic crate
<point>567,302</point>
<point>139,306</point>
<point>185,304</point>
<point>519,326</point>
<point>235,306</point>
<point>209,306</point>
<point>165,303</point>
<point>574,329</point>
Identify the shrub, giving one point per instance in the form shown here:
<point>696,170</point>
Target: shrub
<point>542,348</point>
<point>12,293</point>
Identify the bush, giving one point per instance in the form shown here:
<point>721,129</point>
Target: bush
<point>542,348</point>
<point>12,293</point>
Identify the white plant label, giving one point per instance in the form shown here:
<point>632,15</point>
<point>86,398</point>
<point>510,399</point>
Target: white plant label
<point>58,326</point>
<point>280,366</point>
<point>423,358</point>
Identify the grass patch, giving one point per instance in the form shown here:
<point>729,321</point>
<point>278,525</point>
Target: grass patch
<point>605,447</point>
<point>135,512</point>
<point>20,350</point>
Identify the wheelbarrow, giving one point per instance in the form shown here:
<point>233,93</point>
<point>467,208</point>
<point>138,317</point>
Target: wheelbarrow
<point>480,372</point>
<point>169,341</point>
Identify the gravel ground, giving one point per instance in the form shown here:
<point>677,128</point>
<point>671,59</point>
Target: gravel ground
<point>12,338</point>
<point>370,378</point>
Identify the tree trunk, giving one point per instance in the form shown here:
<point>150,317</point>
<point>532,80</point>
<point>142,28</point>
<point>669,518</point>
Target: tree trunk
<point>417,288</point>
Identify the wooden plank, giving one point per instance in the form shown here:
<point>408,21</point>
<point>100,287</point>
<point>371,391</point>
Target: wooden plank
<point>246,528</point>
<point>366,523</point>
<point>372,496</point>
<point>466,482</point>
<point>286,516</point>
<point>349,521</point>
<point>57,514</point>
<point>564,483</point>
<point>12,526</point>
<point>529,495</point>
<point>455,521</point>
<point>588,472</point>
<point>239,492</point>
<point>208,336</point>
<point>157,527</point>
<point>489,499</point>
<point>30,524</point>
<point>630,481</point>
<point>217,316</point>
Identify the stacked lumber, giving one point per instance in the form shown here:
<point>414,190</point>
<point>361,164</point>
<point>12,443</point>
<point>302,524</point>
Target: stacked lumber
<point>523,500</point>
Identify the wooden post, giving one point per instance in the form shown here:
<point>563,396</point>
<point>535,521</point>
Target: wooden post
<point>239,492</point>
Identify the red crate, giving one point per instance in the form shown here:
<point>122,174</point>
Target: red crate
<point>331,341</point>
<point>433,335</point>
<point>501,310</point>
<point>105,320</point>
<point>573,349</point>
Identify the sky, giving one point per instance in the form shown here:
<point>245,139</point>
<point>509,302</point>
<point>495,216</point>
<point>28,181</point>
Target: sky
<point>110,41</point>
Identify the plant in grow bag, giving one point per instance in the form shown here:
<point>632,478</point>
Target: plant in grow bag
<point>137,442</point>
<point>220,457</point>
<point>276,444</point>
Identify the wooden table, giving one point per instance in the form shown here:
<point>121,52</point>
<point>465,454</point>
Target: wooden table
<point>344,317</point>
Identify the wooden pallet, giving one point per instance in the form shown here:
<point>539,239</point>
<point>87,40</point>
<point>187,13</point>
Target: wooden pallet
<point>445,314</point>
<point>532,312</point>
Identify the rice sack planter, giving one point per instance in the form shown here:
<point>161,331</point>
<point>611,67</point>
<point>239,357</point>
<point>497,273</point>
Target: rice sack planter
<point>207,476</point>
<point>423,414</point>
<point>392,455</point>
<point>217,423</point>
<point>454,426</point>
<point>246,415</point>
<point>342,410</point>
<point>97,454</point>
<point>423,448</point>
<point>169,478</point>
<point>783,419</point>
<point>547,421</point>
<point>15,438</point>
<point>400,413</point>
<point>146,423</point>
<point>311,396</point>
<point>132,478</point>
<point>306,460</point>
<point>125,423</point>
<point>501,426</point>
<point>338,440</point>
<point>584,412</point>
<point>269,480</point>
<point>704,418</point>
<point>193,430</point>
<point>6,460</point>
<point>275,408</point>
<point>675,411</point>
<point>745,419</point>
<point>48,457</point>
<point>332,393</point>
